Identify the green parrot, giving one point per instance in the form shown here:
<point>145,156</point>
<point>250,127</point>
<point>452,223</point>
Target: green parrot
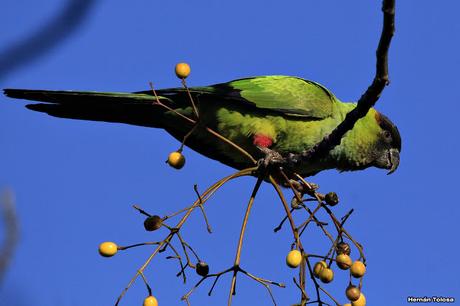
<point>281,114</point>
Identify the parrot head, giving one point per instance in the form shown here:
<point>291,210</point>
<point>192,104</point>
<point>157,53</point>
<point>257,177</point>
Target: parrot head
<point>388,145</point>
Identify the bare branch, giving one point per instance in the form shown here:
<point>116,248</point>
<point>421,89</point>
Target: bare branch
<point>41,41</point>
<point>369,98</point>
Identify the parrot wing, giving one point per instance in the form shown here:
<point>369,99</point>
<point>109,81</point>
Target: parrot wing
<point>289,96</point>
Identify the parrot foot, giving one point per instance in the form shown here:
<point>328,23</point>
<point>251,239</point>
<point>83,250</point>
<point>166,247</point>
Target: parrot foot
<point>271,158</point>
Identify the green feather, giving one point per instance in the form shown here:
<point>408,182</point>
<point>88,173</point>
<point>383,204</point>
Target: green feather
<point>289,95</point>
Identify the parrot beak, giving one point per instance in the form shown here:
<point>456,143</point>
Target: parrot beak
<point>394,160</point>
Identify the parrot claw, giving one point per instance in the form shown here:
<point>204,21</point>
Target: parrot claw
<point>271,158</point>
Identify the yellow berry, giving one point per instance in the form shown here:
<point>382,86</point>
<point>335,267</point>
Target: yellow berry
<point>343,261</point>
<point>150,301</point>
<point>319,266</point>
<point>353,293</point>
<point>326,275</point>
<point>360,302</point>
<point>358,269</point>
<point>294,258</point>
<point>108,249</point>
<point>182,70</point>
<point>176,160</point>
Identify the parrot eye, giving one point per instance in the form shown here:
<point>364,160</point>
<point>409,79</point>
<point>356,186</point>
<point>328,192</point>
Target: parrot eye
<point>387,135</point>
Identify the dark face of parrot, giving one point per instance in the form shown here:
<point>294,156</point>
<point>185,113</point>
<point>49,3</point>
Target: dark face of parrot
<point>388,147</point>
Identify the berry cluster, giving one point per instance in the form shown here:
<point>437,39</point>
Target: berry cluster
<point>304,193</point>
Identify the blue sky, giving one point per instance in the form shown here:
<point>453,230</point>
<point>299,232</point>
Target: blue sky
<point>75,181</point>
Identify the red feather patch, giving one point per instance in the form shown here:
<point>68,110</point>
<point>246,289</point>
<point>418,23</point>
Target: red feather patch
<point>262,140</point>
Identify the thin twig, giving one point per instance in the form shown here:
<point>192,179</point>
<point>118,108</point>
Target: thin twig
<point>295,233</point>
<point>141,211</point>
<point>208,226</point>
<point>149,290</point>
<point>179,258</point>
<point>240,240</point>
<point>195,109</point>
<point>205,196</point>
<point>122,248</point>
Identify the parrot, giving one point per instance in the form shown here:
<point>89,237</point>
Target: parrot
<point>277,114</point>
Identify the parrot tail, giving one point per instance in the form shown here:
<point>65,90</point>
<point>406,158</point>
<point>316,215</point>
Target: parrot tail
<point>131,108</point>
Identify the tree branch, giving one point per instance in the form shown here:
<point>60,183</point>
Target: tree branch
<point>45,38</point>
<point>369,98</point>
<point>11,231</point>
